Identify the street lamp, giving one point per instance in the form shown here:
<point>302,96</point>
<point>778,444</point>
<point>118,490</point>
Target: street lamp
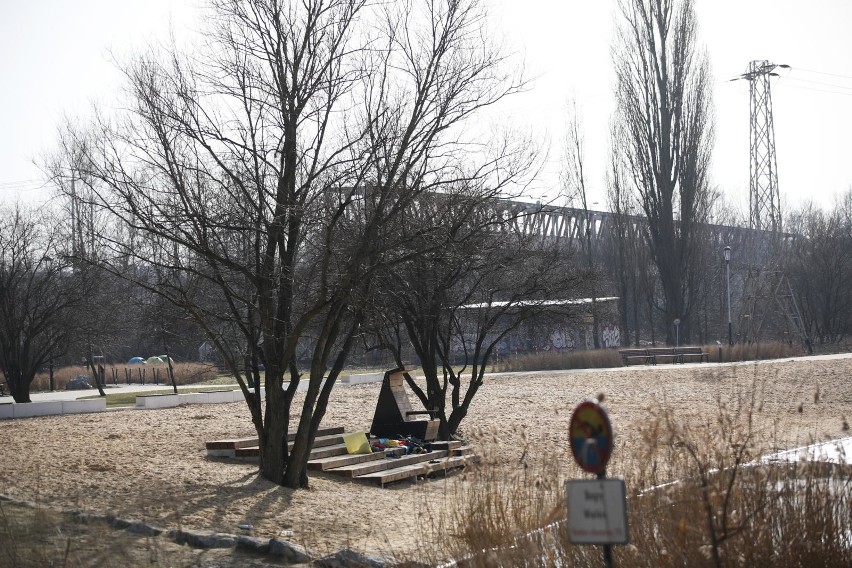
<point>728,289</point>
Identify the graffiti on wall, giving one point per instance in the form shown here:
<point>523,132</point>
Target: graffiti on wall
<point>611,336</point>
<point>561,340</point>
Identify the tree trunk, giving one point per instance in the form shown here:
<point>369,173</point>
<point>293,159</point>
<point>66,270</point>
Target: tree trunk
<point>95,373</point>
<point>273,441</point>
<point>19,389</point>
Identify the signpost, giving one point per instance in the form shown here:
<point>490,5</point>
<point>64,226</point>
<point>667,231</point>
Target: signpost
<point>597,509</point>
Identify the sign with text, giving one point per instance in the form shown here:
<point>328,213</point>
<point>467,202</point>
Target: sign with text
<point>597,511</point>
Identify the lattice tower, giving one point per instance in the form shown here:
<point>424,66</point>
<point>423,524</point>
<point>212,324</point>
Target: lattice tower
<point>764,198</point>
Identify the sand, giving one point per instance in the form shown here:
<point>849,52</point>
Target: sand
<point>151,464</point>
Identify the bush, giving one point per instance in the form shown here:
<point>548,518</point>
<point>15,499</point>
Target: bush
<point>185,374</point>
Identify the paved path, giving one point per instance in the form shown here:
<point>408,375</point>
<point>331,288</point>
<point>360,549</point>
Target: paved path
<point>111,389</point>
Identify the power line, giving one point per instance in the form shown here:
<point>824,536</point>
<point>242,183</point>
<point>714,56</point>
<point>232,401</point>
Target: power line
<point>815,90</point>
<point>822,73</point>
<point>23,185</point>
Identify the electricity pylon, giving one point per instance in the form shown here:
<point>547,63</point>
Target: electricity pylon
<point>764,197</point>
<point>768,296</point>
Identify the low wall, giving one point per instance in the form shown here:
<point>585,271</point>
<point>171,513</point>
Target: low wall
<point>82,406</point>
<point>362,378</point>
<point>172,400</point>
<point>53,407</point>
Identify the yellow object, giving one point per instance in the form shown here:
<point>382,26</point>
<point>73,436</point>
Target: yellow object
<point>392,444</point>
<point>357,443</point>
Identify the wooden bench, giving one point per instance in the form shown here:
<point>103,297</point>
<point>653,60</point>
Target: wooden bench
<point>665,354</point>
<point>639,355</point>
<point>394,415</point>
<point>654,355</point>
<point>692,353</point>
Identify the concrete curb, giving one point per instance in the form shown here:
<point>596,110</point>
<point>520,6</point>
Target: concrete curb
<point>51,408</point>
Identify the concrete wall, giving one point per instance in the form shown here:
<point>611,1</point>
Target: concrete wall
<point>362,378</point>
<point>82,406</point>
<point>171,400</point>
<point>49,408</point>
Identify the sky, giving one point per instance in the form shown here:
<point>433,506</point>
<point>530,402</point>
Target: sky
<point>58,57</point>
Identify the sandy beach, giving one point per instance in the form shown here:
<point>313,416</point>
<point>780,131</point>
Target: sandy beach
<point>151,464</point>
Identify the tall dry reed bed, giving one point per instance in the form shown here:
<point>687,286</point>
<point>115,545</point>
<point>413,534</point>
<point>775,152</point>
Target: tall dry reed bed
<point>698,495</point>
<point>606,358</point>
<point>185,374</point>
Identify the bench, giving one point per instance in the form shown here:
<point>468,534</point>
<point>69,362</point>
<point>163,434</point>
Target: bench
<point>654,355</point>
<point>394,415</point>
<point>640,355</point>
<point>665,354</point>
<point>692,353</point>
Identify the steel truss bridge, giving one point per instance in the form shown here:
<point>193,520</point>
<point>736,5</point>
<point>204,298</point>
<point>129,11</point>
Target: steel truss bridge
<point>752,247</point>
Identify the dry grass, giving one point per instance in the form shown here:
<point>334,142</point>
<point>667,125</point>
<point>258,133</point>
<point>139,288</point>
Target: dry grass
<point>185,374</point>
<point>698,495</point>
<point>607,358</point>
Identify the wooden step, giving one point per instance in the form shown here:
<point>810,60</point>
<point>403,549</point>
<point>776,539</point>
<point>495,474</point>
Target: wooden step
<point>446,463</point>
<point>359,469</point>
<point>328,451</point>
<point>333,462</point>
<point>228,448</point>
<point>445,445</point>
<point>414,470</point>
<point>395,474</point>
<point>461,451</point>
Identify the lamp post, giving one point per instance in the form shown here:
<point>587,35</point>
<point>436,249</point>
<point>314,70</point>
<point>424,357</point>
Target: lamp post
<point>727,252</point>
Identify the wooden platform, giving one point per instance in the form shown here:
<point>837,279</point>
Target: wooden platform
<point>329,455</point>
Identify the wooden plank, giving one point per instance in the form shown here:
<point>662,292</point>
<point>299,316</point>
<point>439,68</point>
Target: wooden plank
<point>445,445</point>
<point>395,474</point>
<point>231,444</point>
<point>328,451</point>
<point>322,441</point>
<point>234,443</point>
<point>325,464</point>
<point>250,452</point>
<point>446,463</point>
<point>356,470</point>
<point>332,442</point>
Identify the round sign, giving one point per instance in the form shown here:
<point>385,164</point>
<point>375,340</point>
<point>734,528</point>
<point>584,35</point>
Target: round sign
<point>591,437</point>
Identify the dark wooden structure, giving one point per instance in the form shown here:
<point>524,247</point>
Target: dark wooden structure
<point>394,415</point>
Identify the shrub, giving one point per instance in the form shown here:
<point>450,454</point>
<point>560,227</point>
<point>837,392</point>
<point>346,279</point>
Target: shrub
<point>185,374</point>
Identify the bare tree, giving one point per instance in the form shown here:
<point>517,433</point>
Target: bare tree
<point>823,247</point>
<point>38,292</point>
<point>574,188</point>
<point>457,302</point>
<point>269,174</point>
<point>663,137</point>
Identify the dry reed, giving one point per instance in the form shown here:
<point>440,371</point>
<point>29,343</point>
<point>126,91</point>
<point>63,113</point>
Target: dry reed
<point>698,495</point>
